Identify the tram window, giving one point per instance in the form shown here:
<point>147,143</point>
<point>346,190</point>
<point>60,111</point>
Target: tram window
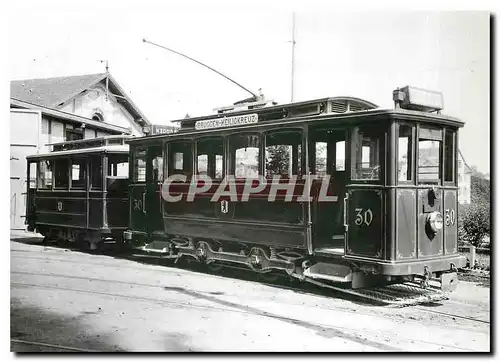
<point>429,161</point>
<point>340,156</point>
<point>245,155</point>
<point>45,174</point>
<point>78,173</point>
<point>158,168</point>
<point>96,172</point>
<point>321,158</point>
<point>366,154</point>
<point>61,173</point>
<point>283,154</point>
<point>404,153</point>
<point>118,166</point>
<point>210,158</point>
<point>180,157</point>
<point>33,174</point>
<point>449,156</point>
<point>139,166</point>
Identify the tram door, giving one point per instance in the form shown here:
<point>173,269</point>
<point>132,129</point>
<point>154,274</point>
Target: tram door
<point>328,158</point>
<point>146,178</point>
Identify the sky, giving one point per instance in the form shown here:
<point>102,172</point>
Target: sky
<point>337,53</point>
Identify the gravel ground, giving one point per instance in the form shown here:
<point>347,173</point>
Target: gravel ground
<point>63,300</point>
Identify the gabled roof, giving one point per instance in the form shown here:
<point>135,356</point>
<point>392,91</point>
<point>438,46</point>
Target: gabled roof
<point>465,162</point>
<point>68,117</point>
<point>53,92</point>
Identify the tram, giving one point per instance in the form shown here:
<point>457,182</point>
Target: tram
<point>332,190</point>
<point>79,191</point>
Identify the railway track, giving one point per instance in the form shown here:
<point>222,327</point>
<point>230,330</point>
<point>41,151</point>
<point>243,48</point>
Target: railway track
<point>349,333</point>
<point>50,346</point>
<point>400,295</point>
<point>301,288</point>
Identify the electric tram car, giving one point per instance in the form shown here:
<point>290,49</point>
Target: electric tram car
<point>328,190</point>
<point>381,188</point>
<point>79,191</point>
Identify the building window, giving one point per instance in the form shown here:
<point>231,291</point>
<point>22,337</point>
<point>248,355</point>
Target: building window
<point>98,117</point>
<point>73,135</point>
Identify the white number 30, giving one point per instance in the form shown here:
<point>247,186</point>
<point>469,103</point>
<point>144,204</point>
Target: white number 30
<point>450,217</point>
<point>363,217</point>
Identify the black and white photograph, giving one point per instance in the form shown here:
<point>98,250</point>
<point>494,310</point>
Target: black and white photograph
<point>248,177</point>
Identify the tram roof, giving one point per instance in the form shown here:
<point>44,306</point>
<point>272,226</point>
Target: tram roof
<point>84,142</point>
<point>296,113</point>
<point>110,149</point>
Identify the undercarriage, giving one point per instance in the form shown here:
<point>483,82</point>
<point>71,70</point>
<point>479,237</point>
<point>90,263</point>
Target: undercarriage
<point>335,273</point>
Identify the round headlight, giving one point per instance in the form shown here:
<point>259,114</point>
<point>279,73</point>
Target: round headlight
<point>435,221</point>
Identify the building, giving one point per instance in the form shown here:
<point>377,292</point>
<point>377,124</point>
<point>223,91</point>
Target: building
<point>464,180</point>
<point>44,111</point>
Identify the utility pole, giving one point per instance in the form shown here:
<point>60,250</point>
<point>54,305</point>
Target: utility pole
<point>107,80</point>
<point>293,53</point>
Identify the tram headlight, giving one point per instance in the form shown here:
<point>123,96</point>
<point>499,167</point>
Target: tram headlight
<point>435,221</point>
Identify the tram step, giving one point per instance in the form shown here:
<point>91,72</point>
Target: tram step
<point>330,251</point>
<point>327,271</point>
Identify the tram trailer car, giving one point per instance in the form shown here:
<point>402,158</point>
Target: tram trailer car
<point>392,176</point>
<point>79,191</point>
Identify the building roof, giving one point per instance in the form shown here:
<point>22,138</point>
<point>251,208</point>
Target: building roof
<point>68,117</point>
<point>54,92</point>
<point>460,154</point>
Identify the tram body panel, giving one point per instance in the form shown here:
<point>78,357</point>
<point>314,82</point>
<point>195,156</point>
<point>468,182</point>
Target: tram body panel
<point>365,223</point>
<point>406,228</point>
<point>429,244</point>
<point>450,215</point>
<point>61,208</point>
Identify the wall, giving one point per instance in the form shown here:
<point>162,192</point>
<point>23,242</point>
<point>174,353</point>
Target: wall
<point>94,101</point>
<point>24,140</point>
<point>464,182</point>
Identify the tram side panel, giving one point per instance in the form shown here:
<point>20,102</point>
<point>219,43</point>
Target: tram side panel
<point>450,227</point>
<point>61,208</point>
<point>258,220</point>
<point>405,217</point>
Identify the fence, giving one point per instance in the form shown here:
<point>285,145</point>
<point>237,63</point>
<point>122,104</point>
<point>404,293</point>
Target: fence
<point>475,254</point>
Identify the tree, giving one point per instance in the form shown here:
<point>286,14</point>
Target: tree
<point>474,221</point>
<point>278,160</point>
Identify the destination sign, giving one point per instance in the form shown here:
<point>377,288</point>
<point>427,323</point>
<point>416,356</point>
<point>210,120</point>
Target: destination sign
<point>227,121</point>
<point>161,129</point>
